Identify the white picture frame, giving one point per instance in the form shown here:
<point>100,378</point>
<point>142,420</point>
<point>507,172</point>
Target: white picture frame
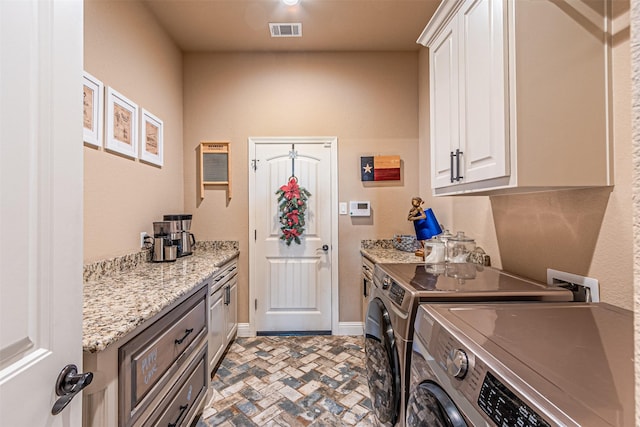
<point>122,124</point>
<point>151,139</point>
<point>93,110</point>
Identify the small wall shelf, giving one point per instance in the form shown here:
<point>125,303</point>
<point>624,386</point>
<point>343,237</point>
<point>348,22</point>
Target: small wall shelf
<point>214,165</point>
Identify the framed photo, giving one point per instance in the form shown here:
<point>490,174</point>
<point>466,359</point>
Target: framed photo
<point>151,139</point>
<point>122,124</point>
<point>92,106</point>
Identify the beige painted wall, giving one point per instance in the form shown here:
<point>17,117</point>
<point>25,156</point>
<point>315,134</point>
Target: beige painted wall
<point>125,48</point>
<point>635,188</point>
<point>368,100</point>
<point>586,232</point>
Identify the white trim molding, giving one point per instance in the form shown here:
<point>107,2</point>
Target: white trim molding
<point>349,328</point>
<point>245,330</point>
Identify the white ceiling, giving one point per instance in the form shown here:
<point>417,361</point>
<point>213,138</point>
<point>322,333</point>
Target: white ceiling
<point>327,25</point>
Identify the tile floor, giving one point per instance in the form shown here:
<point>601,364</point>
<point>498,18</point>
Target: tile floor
<point>291,381</point>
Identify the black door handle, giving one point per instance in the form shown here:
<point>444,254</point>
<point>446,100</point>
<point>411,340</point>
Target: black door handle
<point>325,248</point>
<point>68,384</point>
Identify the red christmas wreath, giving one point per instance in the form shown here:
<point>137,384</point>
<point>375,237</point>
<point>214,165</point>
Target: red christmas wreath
<point>292,200</point>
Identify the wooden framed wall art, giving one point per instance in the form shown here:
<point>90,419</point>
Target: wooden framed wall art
<point>151,139</point>
<point>92,106</point>
<point>122,124</point>
<point>380,168</point>
<point>214,165</point>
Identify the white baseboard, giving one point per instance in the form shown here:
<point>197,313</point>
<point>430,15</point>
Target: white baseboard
<point>244,330</point>
<point>349,328</point>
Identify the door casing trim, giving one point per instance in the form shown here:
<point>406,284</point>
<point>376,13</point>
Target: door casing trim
<point>333,142</point>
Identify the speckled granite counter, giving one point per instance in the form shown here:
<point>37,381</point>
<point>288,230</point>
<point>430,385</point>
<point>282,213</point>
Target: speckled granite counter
<point>116,303</point>
<point>382,251</point>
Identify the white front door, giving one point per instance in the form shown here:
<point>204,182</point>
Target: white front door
<point>40,208</point>
<point>292,284</point>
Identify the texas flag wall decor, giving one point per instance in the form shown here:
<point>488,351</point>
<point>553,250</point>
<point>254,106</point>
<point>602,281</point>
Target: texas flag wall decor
<point>380,168</point>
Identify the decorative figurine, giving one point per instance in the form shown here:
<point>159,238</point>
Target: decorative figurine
<point>419,219</point>
<point>425,223</point>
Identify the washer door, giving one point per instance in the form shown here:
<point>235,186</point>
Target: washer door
<point>429,405</point>
<point>383,364</point>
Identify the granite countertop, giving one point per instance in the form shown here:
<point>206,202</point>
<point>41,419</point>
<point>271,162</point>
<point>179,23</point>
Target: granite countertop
<point>116,303</point>
<point>382,251</point>
<point>379,256</point>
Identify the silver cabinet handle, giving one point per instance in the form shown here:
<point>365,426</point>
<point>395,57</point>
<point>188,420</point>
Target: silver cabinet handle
<point>458,154</point>
<point>451,156</point>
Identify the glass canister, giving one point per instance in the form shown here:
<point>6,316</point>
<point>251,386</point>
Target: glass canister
<point>459,247</point>
<point>434,251</point>
<point>444,238</point>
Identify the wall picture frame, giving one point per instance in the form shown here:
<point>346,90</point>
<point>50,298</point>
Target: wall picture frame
<point>122,124</point>
<point>93,110</point>
<point>151,139</point>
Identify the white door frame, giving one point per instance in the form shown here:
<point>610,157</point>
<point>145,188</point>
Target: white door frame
<point>333,142</point>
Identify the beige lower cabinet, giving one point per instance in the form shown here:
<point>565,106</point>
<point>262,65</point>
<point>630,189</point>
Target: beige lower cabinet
<point>157,374</point>
<point>223,311</point>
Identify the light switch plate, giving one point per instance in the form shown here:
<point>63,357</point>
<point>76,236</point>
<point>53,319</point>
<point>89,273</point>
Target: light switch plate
<point>343,208</point>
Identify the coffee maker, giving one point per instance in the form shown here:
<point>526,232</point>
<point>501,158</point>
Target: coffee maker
<point>165,244</point>
<point>185,239</point>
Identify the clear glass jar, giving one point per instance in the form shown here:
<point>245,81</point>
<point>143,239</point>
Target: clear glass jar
<point>444,238</point>
<point>459,248</point>
<point>434,251</point>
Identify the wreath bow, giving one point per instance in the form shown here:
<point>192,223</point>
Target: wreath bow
<point>292,201</point>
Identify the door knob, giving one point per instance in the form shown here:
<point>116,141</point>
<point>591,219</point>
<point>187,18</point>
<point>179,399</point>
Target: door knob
<point>325,248</point>
<point>68,384</point>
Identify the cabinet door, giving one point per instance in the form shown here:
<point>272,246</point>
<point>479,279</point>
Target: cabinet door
<point>216,328</point>
<point>483,124</point>
<point>231,310</point>
<point>443,58</point>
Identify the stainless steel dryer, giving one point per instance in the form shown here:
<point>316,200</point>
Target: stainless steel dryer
<point>398,290</point>
<point>522,365</point>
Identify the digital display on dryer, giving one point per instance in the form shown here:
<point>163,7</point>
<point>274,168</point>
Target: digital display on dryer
<point>396,293</point>
<point>504,407</point>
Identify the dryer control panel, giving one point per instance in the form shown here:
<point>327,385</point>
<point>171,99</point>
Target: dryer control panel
<point>396,293</point>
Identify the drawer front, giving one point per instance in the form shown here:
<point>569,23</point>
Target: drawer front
<point>154,360</point>
<point>181,408</point>
<point>224,275</point>
<point>149,360</point>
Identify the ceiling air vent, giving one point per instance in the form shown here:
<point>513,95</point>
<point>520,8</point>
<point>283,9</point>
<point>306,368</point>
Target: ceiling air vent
<point>289,29</point>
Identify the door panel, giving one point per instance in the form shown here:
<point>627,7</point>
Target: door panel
<point>293,283</point>
<point>483,116</point>
<point>443,59</point>
<point>40,207</point>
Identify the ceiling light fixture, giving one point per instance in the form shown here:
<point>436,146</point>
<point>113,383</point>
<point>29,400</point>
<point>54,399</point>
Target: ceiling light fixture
<point>291,2</point>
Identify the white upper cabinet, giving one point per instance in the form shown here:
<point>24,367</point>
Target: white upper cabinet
<point>518,96</point>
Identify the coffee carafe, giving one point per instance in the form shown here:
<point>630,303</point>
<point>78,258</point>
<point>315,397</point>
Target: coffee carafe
<point>165,248</point>
<point>184,238</point>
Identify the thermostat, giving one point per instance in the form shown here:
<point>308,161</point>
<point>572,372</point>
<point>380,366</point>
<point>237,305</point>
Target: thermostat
<point>360,208</point>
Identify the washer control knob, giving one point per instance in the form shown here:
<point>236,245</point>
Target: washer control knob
<point>386,282</point>
<point>457,363</point>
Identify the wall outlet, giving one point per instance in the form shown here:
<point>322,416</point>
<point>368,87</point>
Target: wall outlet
<point>575,283</point>
<point>143,234</point>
